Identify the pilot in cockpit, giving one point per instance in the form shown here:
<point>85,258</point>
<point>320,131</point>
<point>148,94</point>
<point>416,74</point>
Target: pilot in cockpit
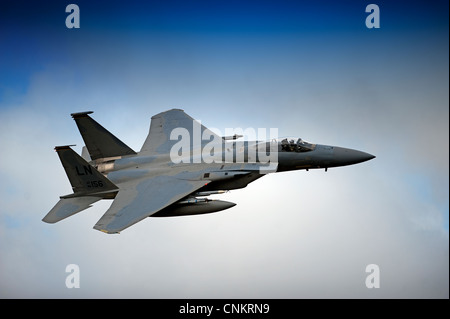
<point>285,145</point>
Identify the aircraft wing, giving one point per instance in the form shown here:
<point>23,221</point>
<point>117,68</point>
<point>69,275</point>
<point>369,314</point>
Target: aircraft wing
<point>162,126</point>
<point>138,200</point>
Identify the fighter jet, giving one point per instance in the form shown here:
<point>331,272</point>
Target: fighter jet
<point>175,170</point>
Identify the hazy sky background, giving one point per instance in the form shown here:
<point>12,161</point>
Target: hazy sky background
<point>310,68</point>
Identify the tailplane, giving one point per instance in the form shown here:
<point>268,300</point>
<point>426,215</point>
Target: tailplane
<point>67,207</point>
<point>88,184</point>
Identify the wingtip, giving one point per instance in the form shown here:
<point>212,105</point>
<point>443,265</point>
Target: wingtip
<point>174,110</point>
<point>106,231</point>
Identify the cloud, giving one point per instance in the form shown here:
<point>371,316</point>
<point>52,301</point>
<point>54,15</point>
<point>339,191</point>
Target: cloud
<point>292,235</point>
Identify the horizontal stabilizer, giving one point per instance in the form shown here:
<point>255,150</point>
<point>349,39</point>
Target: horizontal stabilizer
<point>68,207</point>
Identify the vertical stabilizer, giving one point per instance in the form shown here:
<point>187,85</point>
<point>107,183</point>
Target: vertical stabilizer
<point>99,141</point>
<point>83,177</point>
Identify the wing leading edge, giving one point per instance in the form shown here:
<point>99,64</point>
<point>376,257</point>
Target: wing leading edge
<point>138,200</point>
<point>162,124</point>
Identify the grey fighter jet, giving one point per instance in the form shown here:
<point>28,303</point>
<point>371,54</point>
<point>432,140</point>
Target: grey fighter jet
<point>170,176</point>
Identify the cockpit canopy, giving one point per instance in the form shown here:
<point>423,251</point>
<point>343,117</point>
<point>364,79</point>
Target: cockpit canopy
<point>283,144</point>
<point>292,144</point>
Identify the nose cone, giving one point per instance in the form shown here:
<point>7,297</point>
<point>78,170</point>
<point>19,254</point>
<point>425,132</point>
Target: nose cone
<point>346,156</point>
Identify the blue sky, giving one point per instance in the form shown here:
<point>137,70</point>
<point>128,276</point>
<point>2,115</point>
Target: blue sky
<point>37,36</point>
<point>309,68</point>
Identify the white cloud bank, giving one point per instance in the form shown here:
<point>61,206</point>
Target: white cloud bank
<point>292,235</point>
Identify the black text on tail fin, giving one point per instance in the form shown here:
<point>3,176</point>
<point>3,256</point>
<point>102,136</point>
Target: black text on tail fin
<point>83,177</point>
<point>99,141</point>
